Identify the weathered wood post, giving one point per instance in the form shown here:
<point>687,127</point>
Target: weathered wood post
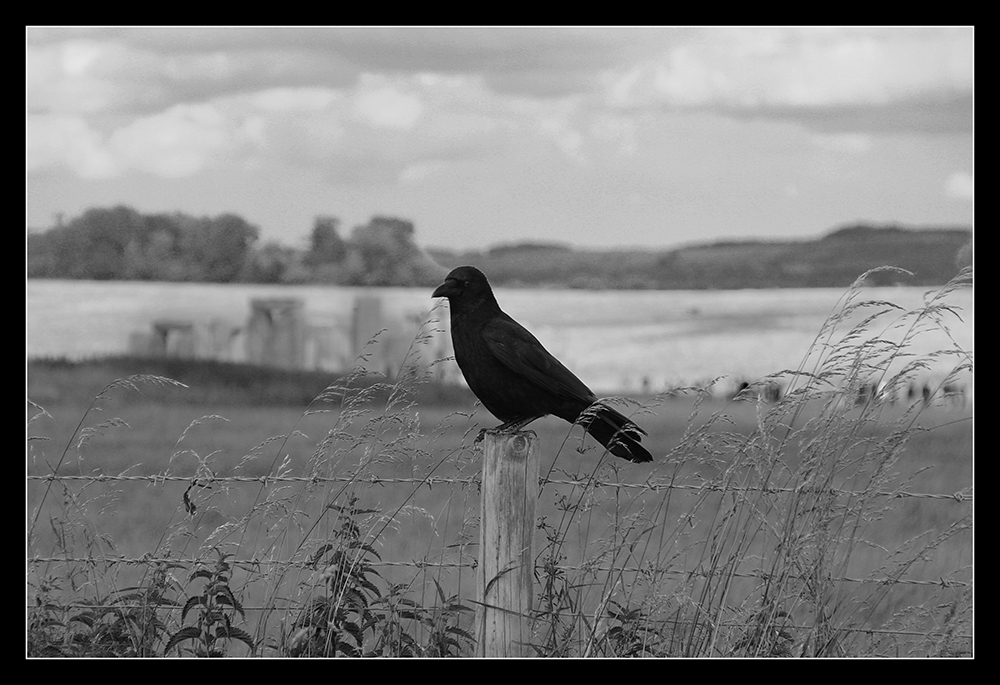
<point>505,577</point>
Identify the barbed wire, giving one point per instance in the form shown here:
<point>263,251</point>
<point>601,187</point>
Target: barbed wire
<point>964,495</point>
<point>760,575</point>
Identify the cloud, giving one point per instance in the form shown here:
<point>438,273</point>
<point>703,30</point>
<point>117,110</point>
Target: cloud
<point>960,186</point>
<point>708,67</point>
<point>386,128</point>
<point>561,131</point>
<point>933,114</point>
<point>384,104</point>
<point>141,71</point>
<point>85,77</point>
<point>66,142</point>
<point>537,62</point>
<point>179,142</point>
<point>382,129</point>
<point>833,79</point>
<point>419,171</point>
<point>388,107</point>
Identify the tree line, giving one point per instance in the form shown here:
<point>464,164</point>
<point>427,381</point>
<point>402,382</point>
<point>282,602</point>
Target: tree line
<point>120,243</point>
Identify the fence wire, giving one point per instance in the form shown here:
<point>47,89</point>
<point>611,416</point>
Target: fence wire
<point>964,495</point>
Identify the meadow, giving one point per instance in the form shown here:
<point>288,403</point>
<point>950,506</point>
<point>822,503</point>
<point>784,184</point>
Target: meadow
<point>830,521</point>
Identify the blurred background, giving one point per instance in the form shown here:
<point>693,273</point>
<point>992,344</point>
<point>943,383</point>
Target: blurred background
<point>285,171</point>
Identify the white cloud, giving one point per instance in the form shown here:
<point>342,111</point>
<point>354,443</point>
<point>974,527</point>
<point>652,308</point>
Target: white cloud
<point>960,186</point>
<point>782,70</point>
<point>420,171</point>
<point>79,56</point>
<point>380,128</point>
<point>66,141</point>
<point>200,106</point>
<point>564,135</point>
<point>91,77</point>
<point>174,101</point>
<point>687,78</point>
<point>57,82</point>
<point>176,143</point>
<point>388,107</point>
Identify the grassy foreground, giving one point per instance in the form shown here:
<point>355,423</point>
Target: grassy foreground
<point>198,527</point>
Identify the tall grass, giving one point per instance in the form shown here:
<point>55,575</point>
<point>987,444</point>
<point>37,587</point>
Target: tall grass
<point>791,535</point>
<point>753,560</point>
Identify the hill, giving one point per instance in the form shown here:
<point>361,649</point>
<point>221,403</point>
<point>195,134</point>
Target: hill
<point>934,255</point>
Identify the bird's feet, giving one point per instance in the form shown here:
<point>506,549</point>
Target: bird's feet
<point>508,427</point>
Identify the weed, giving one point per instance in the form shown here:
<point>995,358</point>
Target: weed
<point>129,622</point>
<point>213,614</point>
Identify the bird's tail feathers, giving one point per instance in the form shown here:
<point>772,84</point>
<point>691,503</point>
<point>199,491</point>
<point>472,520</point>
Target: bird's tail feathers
<point>615,431</point>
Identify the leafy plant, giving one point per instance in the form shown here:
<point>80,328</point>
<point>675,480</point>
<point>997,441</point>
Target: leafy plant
<point>630,636</point>
<point>127,623</point>
<point>336,622</point>
<point>214,609</point>
<point>440,623</point>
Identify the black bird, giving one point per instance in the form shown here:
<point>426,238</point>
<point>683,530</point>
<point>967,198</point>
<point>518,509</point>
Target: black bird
<point>516,378</point>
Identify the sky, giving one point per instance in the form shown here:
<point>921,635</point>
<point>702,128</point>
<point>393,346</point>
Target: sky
<point>595,137</point>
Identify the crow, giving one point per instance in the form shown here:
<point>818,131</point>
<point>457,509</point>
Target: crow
<point>516,378</point>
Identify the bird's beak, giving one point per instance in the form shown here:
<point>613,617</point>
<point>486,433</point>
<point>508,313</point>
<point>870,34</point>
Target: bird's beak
<point>444,289</point>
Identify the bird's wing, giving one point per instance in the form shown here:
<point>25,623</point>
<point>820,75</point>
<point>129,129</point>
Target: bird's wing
<point>520,351</point>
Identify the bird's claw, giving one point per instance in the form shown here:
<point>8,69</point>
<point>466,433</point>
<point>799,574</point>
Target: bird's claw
<point>504,428</point>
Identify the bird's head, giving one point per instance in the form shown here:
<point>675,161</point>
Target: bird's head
<point>464,283</point>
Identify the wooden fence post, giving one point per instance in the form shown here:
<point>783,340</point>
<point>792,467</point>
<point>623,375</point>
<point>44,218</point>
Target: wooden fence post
<point>505,577</point>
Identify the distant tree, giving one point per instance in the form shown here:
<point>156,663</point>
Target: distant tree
<point>95,245</point>
<point>379,251</point>
<point>42,257</point>
<point>275,263</point>
<point>121,243</point>
<point>220,247</point>
<point>384,252</point>
<point>109,233</point>
<point>158,254</point>
<point>325,244</point>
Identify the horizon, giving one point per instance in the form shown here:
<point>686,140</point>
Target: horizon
<point>693,242</point>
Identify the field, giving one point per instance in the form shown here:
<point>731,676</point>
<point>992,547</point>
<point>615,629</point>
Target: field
<point>632,341</point>
<point>832,521</point>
